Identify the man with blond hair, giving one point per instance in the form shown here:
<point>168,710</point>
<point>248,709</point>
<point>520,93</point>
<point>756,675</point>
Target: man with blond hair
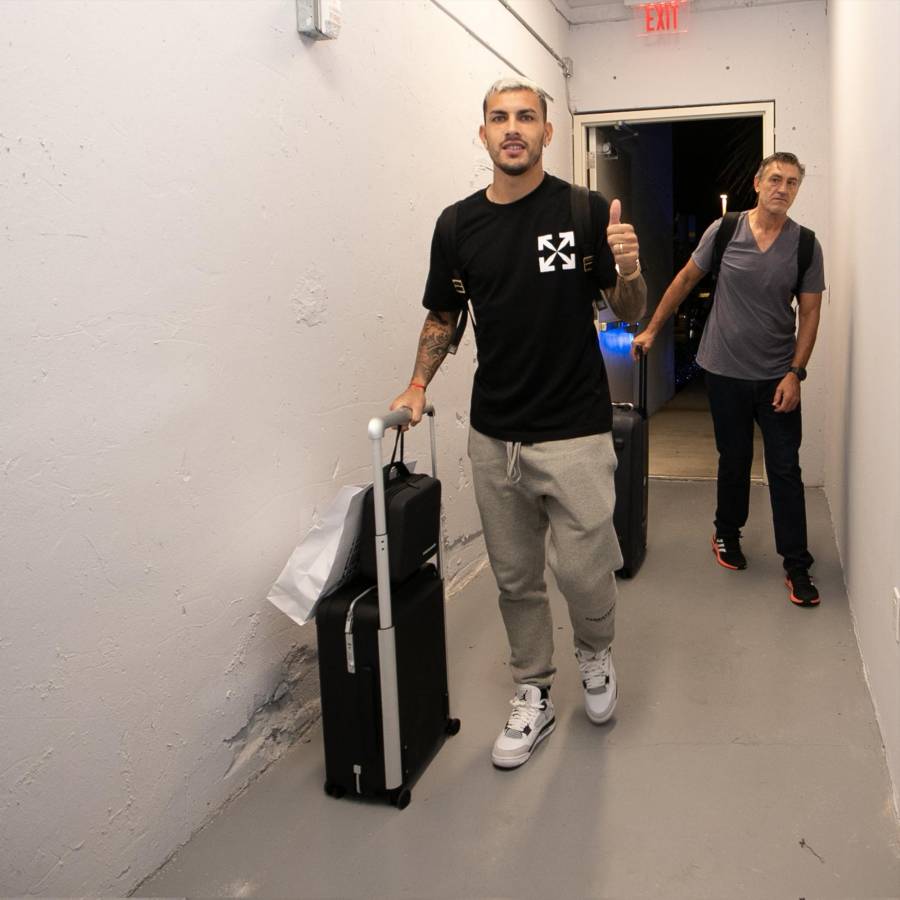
<point>539,441</point>
<point>755,349</point>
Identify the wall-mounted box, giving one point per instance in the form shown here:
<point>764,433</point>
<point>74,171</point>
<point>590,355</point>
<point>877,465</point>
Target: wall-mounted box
<point>319,19</point>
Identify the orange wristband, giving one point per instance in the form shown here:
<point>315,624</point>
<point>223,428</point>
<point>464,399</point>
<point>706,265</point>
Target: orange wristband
<point>416,384</point>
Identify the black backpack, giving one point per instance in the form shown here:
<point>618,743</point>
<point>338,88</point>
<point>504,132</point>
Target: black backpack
<point>446,229</point>
<point>726,232</point>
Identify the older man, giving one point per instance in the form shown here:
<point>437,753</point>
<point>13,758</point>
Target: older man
<point>755,350</point>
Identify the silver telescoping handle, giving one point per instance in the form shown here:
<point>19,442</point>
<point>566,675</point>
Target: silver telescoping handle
<point>387,646</point>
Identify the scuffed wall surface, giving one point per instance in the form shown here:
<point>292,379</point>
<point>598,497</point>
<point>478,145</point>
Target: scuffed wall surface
<point>734,55</point>
<point>863,476</point>
<point>214,243</point>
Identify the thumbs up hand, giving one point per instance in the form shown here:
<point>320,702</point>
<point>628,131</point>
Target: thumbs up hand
<point>615,212</point>
<point>622,240</point>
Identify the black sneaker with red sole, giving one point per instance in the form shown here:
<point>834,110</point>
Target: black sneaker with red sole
<point>728,552</point>
<point>803,591</point>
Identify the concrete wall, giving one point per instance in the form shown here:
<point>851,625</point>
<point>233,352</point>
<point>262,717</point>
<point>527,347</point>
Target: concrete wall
<point>775,53</point>
<point>214,244</point>
<point>862,472</point>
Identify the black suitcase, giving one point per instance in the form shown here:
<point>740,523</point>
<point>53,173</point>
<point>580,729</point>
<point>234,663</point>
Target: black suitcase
<point>350,674</point>
<point>631,439</point>
<point>383,668</point>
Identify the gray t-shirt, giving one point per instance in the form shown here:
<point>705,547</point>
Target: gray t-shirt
<point>751,329</point>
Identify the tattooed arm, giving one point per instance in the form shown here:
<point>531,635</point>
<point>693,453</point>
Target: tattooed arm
<point>434,340</point>
<point>628,299</point>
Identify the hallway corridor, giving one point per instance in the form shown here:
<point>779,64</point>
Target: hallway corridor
<point>744,758</point>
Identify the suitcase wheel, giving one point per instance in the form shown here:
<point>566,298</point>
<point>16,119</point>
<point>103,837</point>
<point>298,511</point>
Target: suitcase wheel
<point>401,797</point>
<point>452,726</point>
<point>334,790</point>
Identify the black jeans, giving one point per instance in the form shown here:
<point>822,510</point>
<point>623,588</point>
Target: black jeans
<point>735,404</point>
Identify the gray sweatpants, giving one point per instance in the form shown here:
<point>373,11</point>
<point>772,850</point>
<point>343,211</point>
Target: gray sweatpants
<point>521,490</point>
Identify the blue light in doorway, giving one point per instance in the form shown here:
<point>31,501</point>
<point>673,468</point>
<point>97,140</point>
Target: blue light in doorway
<point>616,338</point>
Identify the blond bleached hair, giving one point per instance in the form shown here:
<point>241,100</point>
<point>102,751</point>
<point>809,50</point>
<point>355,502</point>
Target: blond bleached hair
<point>502,85</point>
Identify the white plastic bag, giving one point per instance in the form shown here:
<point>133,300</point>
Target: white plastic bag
<point>324,560</point>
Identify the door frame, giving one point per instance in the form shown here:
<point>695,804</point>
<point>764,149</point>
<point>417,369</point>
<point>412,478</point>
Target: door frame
<point>582,122</point>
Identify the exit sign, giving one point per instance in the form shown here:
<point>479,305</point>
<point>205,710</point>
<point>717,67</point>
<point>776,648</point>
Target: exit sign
<point>669,17</point>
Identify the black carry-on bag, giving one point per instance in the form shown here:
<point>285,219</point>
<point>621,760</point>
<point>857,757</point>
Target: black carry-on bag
<point>383,664</point>
<point>413,509</point>
<point>631,439</point>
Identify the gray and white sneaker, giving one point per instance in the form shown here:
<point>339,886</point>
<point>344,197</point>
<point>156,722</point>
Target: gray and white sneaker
<point>598,675</point>
<point>530,721</point>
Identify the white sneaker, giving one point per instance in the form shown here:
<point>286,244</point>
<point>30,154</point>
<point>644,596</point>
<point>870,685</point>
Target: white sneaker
<point>529,723</point>
<point>598,675</point>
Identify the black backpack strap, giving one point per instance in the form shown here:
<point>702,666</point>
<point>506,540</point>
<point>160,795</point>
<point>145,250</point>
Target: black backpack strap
<point>446,229</point>
<point>805,249</point>
<point>723,239</point>
<point>581,216</point>
<point>585,239</point>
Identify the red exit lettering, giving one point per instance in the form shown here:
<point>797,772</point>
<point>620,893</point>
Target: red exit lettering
<point>661,16</point>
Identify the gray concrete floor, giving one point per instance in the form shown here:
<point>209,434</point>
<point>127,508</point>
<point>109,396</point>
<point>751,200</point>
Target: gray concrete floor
<point>743,760</point>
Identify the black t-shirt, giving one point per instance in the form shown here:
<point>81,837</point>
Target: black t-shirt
<point>540,374</point>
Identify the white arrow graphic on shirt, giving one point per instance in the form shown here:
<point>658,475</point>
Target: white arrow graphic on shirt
<point>547,264</point>
<point>545,242</point>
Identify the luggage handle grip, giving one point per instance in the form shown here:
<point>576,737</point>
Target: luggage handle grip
<point>380,424</point>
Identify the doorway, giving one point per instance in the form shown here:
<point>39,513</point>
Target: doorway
<point>675,170</point>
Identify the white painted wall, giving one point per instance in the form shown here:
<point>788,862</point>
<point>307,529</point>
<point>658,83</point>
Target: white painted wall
<point>775,53</point>
<point>214,244</point>
<point>863,462</point>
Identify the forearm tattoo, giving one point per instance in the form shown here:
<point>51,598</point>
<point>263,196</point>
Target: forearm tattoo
<point>628,299</point>
<point>437,332</point>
